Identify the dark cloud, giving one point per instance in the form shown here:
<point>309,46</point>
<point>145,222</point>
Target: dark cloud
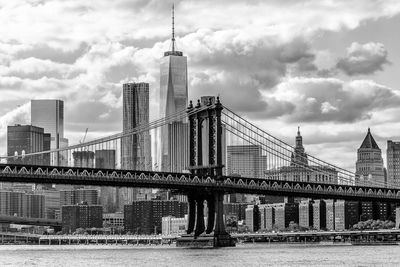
<point>363,59</point>
<point>240,70</point>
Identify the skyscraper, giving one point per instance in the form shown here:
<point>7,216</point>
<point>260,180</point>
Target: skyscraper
<point>393,163</point>
<point>135,149</point>
<point>105,158</point>
<point>49,114</point>
<point>25,139</point>
<point>173,95</point>
<point>369,165</point>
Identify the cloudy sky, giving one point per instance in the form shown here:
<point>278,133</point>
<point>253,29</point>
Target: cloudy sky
<point>331,67</point>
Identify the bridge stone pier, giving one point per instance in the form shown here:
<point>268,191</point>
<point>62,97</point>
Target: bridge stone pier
<point>205,159</point>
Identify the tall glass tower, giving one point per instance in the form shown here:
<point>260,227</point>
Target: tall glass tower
<point>135,149</point>
<point>49,115</point>
<point>173,97</point>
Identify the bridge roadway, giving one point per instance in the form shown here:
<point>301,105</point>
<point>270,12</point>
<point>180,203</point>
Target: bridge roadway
<point>187,182</point>
<point>30,221</point>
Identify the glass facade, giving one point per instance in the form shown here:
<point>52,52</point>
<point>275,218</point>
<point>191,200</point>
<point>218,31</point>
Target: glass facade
<point>49,114</point>
<point>173,98</point>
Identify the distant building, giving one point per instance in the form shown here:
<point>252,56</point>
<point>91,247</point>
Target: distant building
<point>35,206</point>
<point>369,165</point>
<point>253,218</point>
<point>25,139</point>
<point>21,204</point>
<point>238,209</point>
<point>105,159</point>
<point>245,160</point>
<point>49,114</point>
<point>174,226</point>
<point>81,216</point>
<point>393,163</point>
<point>178,147</point>
<point>52,204</point>
<point>75,196</point>
<point>346,214</point>
<point>113,220</point>
<point>306,218</point>
<point>135,149</point>
<point>319,214</point>
<point>299,169</point>
<point>83,159</point>
<point>397,218</point>
<point>267,217</point>
<point>145,216</point>
<point>286,213</point>
<point>330,214</point>
<point>366,211</point>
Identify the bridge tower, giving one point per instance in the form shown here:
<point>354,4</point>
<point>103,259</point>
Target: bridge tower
<point>205,160</point>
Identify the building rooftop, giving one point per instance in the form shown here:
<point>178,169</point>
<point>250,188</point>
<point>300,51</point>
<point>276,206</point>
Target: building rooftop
<point>369,141</point>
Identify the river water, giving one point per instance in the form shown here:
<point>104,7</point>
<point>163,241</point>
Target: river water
<point>260,254</point>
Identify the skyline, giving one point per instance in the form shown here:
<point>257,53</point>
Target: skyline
<point>326,77</point>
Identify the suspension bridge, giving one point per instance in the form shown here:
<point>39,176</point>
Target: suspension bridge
<point>205,151</point>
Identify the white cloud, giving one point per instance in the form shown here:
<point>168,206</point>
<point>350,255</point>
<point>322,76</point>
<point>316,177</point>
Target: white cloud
<point>363,58</point>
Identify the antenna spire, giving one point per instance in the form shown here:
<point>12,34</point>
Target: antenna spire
<point>173,27</point>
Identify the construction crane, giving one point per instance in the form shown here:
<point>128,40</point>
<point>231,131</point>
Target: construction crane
<point>84,137</point>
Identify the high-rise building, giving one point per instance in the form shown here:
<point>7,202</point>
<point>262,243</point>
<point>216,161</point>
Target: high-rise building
<point>319,214</point>
<point>253,218</point>
<point>25,139</point>
<point>245,160</point>
<point>81,216</point>
<point>21,204</point>
<point>178,147</point>
<point>237,209</point>
<point>267,216</point>
<point>330,214</point>
<point>285,213</point>
<point>135,149</point>
<point>52,205</point>
<point>346,214</point>
<point>306,218</point>
<point>105,159</point>
<point>393,163</point>
<point>83,159</point>
<point>173,95</point>
<point>35,206</point>
<point>49,114</point>
<point>145,216</point>
<point>369,165</point>
<point>76,196</point>
<point>366,211</point>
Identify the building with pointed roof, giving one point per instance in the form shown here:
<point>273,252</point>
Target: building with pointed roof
<point>173,98</point>
<point>369,165</point>
<point>299,156</point>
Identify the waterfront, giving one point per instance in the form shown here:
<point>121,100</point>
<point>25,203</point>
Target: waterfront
<point>244,254</point>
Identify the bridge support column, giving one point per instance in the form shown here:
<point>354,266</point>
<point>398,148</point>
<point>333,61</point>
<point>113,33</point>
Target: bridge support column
<point>211,214</point>
<point>199,216</point>
<point>214,235</point>
<point>192,214</point>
